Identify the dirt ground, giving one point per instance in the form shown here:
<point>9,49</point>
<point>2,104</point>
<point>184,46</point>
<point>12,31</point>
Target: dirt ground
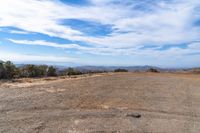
<point>122,102</point>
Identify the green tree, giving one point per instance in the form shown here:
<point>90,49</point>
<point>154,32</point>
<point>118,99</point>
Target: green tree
<point>69,71</point>
<point>120,70</point>
<point>51,71</point>
<point>29,71</point>
<point>18,72</point>
<point>154,70</point>
<point>42,70</point>
<point>10,69</point>
<point>2,70</point>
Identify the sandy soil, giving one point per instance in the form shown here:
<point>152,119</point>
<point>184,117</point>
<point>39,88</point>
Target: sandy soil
<point>167,103</point>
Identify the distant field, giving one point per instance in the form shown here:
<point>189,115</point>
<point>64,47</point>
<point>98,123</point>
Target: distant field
<point>167,103</point>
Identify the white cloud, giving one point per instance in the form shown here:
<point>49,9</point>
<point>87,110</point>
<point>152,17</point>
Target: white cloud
<point>169,23</point>
<point>18,57</point>
<point>18,32</point>
<point>154,52</point>
<point>195,45</point>
<point>34,16</point>
<point>92,50</point>
<point>166,23</point>
<point>45,43</point>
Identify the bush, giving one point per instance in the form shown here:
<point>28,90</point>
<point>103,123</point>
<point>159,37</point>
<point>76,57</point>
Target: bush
<point>2,70</point>
<point>42,70</point>
<point>7,70</point>
<point>153,70</point>
<point>51,71</point>
<point>120,70</point>
<point>33,71</point>
<point>29,71</point>
<point>70,71</point>
<point>196,70</point>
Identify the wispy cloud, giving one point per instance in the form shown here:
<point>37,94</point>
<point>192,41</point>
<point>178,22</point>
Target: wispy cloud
<point>83,49</point>
<point>133,25</point>
<point>154,52</point>
<point>45,43</point>
<point>19,57</point>
<point>18,32</point>
<point>168,23</point>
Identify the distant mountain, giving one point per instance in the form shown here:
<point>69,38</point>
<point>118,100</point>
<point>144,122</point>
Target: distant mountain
<point>112,68</point>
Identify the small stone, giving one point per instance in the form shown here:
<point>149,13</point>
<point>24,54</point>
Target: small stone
<point>134,115</point>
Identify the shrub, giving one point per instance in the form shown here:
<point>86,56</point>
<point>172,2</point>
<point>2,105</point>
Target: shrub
<point>7,70</point>
<point>2,70</point>
<point>196,70</point>
<point>70,71</point>
<point>153,70</point>
<point>29,71</point>
<point>51,71</point>
<point>120,70</point>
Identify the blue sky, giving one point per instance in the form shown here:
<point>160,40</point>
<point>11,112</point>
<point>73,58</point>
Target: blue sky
<point>163,33</point>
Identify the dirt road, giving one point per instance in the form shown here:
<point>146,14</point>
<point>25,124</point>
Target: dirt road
<point>123,102</point>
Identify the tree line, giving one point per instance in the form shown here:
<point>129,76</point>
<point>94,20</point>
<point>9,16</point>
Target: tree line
<point>8,70</point>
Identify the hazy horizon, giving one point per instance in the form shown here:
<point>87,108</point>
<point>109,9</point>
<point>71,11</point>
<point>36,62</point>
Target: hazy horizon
<point>162,33</point>
<point>65,65</point>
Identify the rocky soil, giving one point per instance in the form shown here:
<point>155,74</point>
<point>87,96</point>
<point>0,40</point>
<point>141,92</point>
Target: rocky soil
<point>120,102</point>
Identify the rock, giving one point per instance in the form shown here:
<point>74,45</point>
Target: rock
<point>134,115</point>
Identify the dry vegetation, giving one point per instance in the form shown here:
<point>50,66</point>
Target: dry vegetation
<point>111,102</point>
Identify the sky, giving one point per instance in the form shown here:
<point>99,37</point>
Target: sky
<point>164,33</point>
